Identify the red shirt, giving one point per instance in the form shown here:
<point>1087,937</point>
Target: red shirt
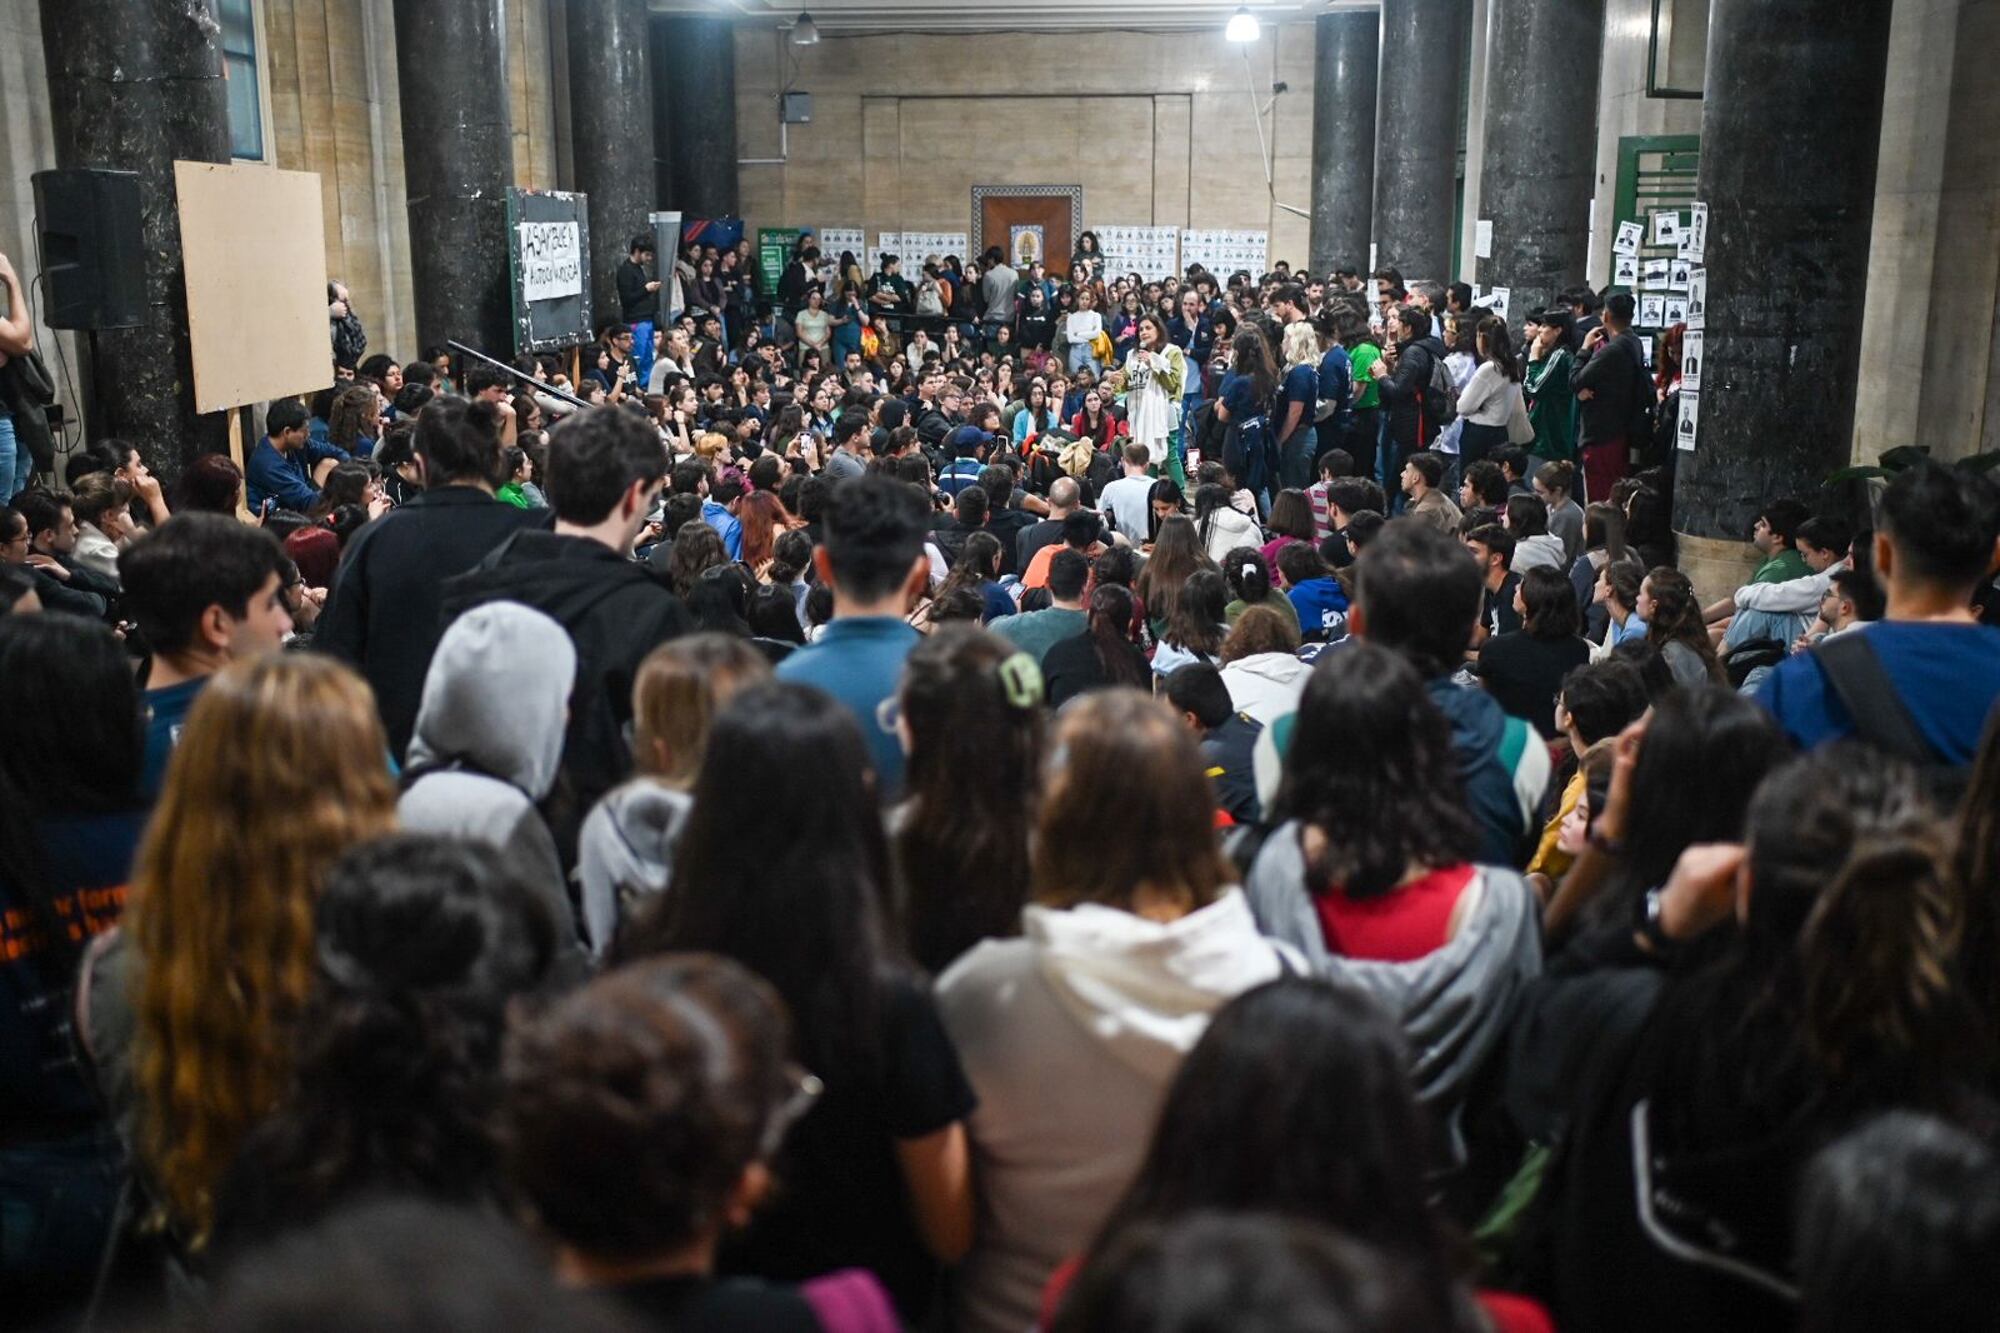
<point>1399,926</point>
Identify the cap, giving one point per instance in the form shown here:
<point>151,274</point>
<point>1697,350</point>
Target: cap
<point>967,435</point>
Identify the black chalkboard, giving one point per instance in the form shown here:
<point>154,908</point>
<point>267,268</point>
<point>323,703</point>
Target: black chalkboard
<point>549,257</point>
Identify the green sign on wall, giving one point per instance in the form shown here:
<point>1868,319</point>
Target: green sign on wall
<point>774,251</point>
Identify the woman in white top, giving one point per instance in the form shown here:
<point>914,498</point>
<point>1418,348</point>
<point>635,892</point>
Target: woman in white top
<point>1154,374</point>
<point>1489,398</point>
<point>1071,1033</point>
<point>1081,327</point>
<point>813,324</point>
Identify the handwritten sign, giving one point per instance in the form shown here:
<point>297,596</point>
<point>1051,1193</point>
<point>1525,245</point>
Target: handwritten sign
<point>551,260</point>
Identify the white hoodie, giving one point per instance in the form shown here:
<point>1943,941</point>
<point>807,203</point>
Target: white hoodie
<point>1070,1036</point>
<point>1266,685</point>
<point>1544,549</point>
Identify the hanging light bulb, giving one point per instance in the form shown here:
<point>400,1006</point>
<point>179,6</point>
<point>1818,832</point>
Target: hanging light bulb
<point>805,32</point>
<point>1242,27</point>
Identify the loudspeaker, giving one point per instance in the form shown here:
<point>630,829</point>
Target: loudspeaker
<point>93,257</point>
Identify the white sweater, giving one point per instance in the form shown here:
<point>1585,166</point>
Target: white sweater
<point>1070,1036</point>
<point>1488,398</point>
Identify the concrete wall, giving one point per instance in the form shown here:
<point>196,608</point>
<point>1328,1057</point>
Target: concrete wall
<point>1156,127</point>
<point>1930,349</point>
<point>1624,110</point>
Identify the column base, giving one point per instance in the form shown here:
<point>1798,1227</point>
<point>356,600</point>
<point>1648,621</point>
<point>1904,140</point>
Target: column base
<point>1716,566</point>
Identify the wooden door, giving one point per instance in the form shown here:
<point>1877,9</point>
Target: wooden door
<point>1036,223</point>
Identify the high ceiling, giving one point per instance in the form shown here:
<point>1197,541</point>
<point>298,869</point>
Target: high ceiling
<point>837,17</point>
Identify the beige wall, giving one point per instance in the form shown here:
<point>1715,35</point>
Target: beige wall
<point>1930,350</point>
<point>1156,127</point>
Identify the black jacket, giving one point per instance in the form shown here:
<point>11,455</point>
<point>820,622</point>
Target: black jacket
<point>616,611</point>
<point>381,616</point>
<point>1613,375</point>
<point>634,301</point>
<point>1403,393</point>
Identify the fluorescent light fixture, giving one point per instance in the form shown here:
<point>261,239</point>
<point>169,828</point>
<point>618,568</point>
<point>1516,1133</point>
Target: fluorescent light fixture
<point>805,32</point>
<point>1242,27</point>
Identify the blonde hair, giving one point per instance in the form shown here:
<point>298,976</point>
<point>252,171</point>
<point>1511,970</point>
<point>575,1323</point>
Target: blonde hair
<point>678,690</point>
<point>1301,344</point>
<point>283,765</point>
<point>712,445</point>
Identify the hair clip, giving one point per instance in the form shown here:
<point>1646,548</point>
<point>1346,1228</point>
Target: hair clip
<point>1021,681</point>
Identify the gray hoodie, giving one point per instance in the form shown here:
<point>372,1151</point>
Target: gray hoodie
<point>626,851</point>
<point>489,738</point>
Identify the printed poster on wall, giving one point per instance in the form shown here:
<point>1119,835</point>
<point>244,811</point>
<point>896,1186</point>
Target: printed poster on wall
<point>1691,359</point>
<point>1690,417</point>
<point>1625,271</point>
<point>1667,227</point>
<point>1697,230</point>
<point>1630,237</point>
<point>1652,312</point>
<point>1676,311</point>
<point>1697,297</point>
<point>832,240</point>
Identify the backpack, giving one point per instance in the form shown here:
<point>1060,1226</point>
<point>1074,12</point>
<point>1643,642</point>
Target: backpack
<point>1440,397</point>
<point>1639,428</point>
<point>1250,452</point>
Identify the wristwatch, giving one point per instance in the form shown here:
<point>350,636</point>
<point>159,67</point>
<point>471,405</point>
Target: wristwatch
<point>1651,927</point>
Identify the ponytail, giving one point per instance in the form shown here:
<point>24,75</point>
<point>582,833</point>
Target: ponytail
<point>1876,953</point>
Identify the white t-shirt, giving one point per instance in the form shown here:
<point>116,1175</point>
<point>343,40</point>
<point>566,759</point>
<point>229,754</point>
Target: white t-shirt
<point>1128,501</point>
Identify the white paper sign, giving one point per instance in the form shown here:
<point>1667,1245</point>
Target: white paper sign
<point>1657,271</point>
<point>1625,271</point>
<point>1666,228</point>
<point>1482,238</point>
<point>1677,275</point>
<point>1690,418</point>
<point>1372,247</point>
<point>1697,316</point>
<point>551,260</point>
<point>1698,228</point>
<point>1677,310</point>
<point>832,240</point>
<point>1691,356</point>
<point>1630,237</point>
<point>1652,311</point>
<point>1496,301</point>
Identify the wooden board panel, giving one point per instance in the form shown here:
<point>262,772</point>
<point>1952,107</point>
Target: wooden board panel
<point>253,245</point>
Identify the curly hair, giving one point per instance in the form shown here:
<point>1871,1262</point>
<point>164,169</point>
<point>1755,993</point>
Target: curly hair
<point>282,766</point>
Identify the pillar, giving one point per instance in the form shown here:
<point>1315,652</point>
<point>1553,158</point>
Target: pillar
<point>694,114</point>
<point>134,85</point>
<point>1345,47</point>
<point>612,148</point>
<point>458,157</point>
<point>1418,118</point>
<point>1539,162</point>
<point>1791,120</point>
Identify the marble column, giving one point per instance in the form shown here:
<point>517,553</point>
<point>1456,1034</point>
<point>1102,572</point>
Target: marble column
<point>1538,167</point>
<point>458,159</point>
<point>1790,125</point>
<point>611,134</point>
<point>133,86</point>
<point>1345,50</point>
<point>1420,113</point>
<point>694,114</point>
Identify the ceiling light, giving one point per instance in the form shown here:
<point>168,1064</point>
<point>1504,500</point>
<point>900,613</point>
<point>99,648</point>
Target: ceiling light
<point>805,32</point>
<point>1242,27</point>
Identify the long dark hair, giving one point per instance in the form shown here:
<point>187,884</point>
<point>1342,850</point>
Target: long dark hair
<point>1705,751</point>
<point>71,743</point>
<point>800,899</point>
<point>1370,764</point>
<point>978,564</point>
<point>1550,599</point>
<point>422,940</point>
<point>1177,553</point>
<point>1297,1101</point>
<point>1112,612</point>
<point>1677,618</point>
<point>1251,356</point>
<point>1496,345</point>
<point>1196,625</point>
<point>975,743</point>
<point>1248,574</point>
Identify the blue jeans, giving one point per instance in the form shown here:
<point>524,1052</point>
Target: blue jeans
<point>642,350</point>
<point>17,465</point>
<point>1080,356</point>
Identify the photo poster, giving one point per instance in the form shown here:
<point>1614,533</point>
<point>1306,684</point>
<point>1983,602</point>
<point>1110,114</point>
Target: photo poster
<point>1690,421</point>
<point>1677,275</point>
<point>549,269</point>
<point>1667,227</point>
<point>1652,312</point>
<point>1655,272</point>
<point>918,246</point>
<point>1224,251</point>
<point>1151,252</point>
<point>833,240</point>
<point>1676,311</point>
<point>1630,237</point>
<point>1625,271</point>
<point>886,243</point>
<point>1696,240</point>
<point>1691,359</point>
<point>1697,298</point>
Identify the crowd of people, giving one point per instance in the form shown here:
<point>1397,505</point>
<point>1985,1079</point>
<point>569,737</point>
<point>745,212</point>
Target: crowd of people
<point>985,801</point>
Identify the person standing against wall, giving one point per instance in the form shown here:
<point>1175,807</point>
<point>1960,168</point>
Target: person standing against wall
<point>639,302</point>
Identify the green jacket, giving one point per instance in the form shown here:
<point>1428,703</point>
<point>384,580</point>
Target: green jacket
<point>1552,406</point>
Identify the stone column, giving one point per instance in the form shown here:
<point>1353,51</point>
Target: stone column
<point>1345,51</point>
<point>1537,169</point>
<point>1417,123</point>
<point>694,114</point>
<point>458,158</point>
<point>134,85</point>
<point>611,134</point>
<point>1790,125</point>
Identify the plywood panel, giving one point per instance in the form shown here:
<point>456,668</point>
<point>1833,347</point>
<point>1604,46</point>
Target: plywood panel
<point>254,253</point>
